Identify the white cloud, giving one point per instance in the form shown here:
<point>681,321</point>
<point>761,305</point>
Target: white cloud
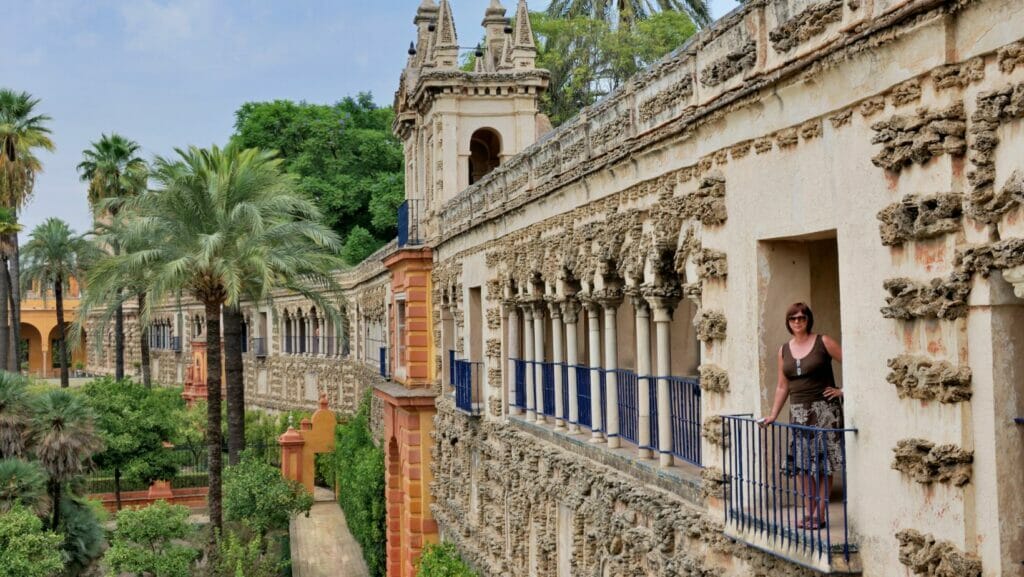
<point>159,26</point>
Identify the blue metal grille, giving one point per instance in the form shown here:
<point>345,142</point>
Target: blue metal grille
<point>520,379</point>
<point>564,368</point>
<point>629,416</point>
<point>652,402</point>
<point>685,417</point>
<point>583,394</point>
<point>547,375</point>
<point>409,223</point>
<point>467,386</point>
<point>384,362</point>
<point>451,368</point>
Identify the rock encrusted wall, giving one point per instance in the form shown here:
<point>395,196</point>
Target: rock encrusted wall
<point>919,377</point>
<point>510,503</point>
<point>927,556</point>
<point>920,217</point>
<point>927,463</point>
<point>296,382</point>
<point>919,137</point>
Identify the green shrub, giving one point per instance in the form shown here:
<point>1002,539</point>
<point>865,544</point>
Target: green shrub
<point>84,537</point>
<point>236,555</point>
<point>27,550</point>
<point>359,467</point>
<point>149,542</point>
<point>442,561</point>
<point>257,495</point>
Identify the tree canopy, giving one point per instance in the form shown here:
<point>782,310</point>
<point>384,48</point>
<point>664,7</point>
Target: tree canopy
<point>345,157</point>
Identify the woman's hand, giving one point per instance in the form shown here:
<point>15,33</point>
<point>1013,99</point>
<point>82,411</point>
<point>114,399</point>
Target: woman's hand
<point>765,422</point>
<point>832,393</point>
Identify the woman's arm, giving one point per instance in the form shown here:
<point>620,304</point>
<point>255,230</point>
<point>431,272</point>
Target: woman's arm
<point>781,393</point>
<point>834,350</point>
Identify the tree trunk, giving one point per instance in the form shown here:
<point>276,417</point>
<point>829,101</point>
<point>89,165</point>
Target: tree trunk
<point>55,497</point>
<point>147,378</point>
<point>62,345</point>
<point>117,487</point>
<point>213,434</point>
<point>235,384</point>
<point>5,322</point>
<point>15,276</point>
<point>119,340</point>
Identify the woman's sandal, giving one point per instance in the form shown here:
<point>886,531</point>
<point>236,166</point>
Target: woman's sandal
<point>811,523</point>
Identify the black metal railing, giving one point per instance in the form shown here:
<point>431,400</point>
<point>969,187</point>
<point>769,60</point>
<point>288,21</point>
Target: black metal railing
<point>684,417</point>
<point>547,381</point>
<point>626,384</point>
<point>519,401</point>
<point>468,396</point>
<point>786,489</point>
<point>564,370</point>
<point>451,367</point>
<point>409,223</point>
<point>384,362</point>
<point>583,394</point>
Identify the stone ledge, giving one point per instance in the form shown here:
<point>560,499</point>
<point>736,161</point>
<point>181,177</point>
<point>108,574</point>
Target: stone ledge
<point>683,480</point>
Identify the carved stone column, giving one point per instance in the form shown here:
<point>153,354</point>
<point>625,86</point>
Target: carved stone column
<point>538,357</point>
<point>594,349</point>
<point>512,322</point>
<point>558,357</point>
<point>570,315</point>
<point>642,314</point>
<point>610,302</point>
<point>662,307</point>
<point>531,405</point>
<point>1015,276</point>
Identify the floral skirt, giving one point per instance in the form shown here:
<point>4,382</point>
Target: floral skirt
<point>816,453</point>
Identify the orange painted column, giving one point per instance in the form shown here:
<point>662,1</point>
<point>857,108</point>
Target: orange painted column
<point>291,454</point>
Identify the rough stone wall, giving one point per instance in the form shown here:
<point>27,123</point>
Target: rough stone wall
<point>344,381</point>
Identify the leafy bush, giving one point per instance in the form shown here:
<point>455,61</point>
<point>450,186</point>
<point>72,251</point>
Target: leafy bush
<point>235,555</point>
<point>28,551</point>
<point>84,537</point>
<point>148,542</point>
<point>258,496</point>
<point>359,467</point>
<point>442,561</point>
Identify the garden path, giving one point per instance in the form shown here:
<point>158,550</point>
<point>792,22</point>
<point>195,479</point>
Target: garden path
<point>322,545</point>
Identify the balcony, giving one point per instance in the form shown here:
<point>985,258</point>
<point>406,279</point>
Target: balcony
<point>786,492</point>
<point>176,344</point>
<point>259,347</point>
<point>467,378</point>
<point>409,223</point>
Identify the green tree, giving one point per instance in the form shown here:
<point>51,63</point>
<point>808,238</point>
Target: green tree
<point>588,58</point>
<point>223,224</point>
<point>442,560</point>
<point>84,537</point>
<point>15,415</point>
<point>115,173</point>
<point>345,156</point>
<point>64,440</point>
<point>53,256</point>
<point>24,483</point>
<point>28,550</point>
<point>628,13</point>
<point>134,422</point>
<point>258,496</point>
<point>148,542</point>
<point>359,245</point>
<point>22,133</point>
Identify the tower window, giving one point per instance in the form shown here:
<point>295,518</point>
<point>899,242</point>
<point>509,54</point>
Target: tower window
<point>484,153</point>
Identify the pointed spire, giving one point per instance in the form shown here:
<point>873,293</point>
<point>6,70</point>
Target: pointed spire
<point>494,32</point>
<point>505,58</point>
<point>446,41</point>
<point>426,17</point>
<point>524,31</point>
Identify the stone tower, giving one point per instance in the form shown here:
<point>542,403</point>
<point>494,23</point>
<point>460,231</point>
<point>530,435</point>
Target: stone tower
<point>458,125</point>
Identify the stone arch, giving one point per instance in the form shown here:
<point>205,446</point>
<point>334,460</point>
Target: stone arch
<point>33,338</point>
<point>75,353</point>
<point>484,153</point>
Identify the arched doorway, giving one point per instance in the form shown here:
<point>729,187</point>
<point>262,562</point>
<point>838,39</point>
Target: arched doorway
<point>76,353</point>
<point>31,350</point>
<point>484,153</point>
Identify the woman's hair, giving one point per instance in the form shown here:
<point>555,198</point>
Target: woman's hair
<point>800,308</point>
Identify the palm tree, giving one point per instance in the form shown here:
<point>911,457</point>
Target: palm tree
<point>15,417</point>
<point>8,227</point>
<point>23,482</point>
<point>222,225</point>
<point>627,12</point>
<point>115,174</point>
<point>53,256</point>
<point>64,441</point>
<point>22,132</point>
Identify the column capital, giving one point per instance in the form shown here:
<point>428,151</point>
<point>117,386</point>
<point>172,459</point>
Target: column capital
<point>1015,276</point>
<point>570,310</point>
<point>609,298</point>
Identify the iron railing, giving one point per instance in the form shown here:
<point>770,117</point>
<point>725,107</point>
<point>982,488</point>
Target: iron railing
<point>626,384</point>
<point>786,490</point>
<point>519,401</point>
<point>451,367</point>
<point>583,394</point>
<point>259,346</point>
<point>547,380</point>
<point>409,223</point>
<point>564,369</point>
<point>468,396</point>
<point>384,362</point>
<point>176,344</point>
<point>684,417</point>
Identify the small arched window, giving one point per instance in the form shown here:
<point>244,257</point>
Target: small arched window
<point>484,153</point>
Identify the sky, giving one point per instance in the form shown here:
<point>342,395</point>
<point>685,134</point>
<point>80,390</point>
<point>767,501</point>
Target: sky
<point>172,73</point>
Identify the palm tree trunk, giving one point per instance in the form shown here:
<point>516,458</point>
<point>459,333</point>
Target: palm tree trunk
<point>62,345</point>
<point>233,374</point>
<point>15,277</point>
<point>213,402</point>
<point>55,497</point>
<point>118,330</point>
<point>5,322</point>
<point>147,378</point>
<point>117,487</point>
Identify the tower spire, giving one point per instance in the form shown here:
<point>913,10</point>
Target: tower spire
<point>446,41</point>
<point>524,50</point>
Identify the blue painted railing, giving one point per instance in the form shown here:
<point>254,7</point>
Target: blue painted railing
<point>451,368</point>
<point>176,344</point>
<point>602,393</point>
<point>685,417</point>
<point>468,397</point>
<point>583,394</point>
<point>409,223</point>
<point>384,362</point>
<point>629,409</point>
<point>547,375</point>
<point>520,379</point>
<point>259,346</point>
<point>652,402</point>
<point>778,482</point>
<point>564,368</point>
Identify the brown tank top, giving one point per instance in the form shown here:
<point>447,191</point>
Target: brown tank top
<point>810,375</point>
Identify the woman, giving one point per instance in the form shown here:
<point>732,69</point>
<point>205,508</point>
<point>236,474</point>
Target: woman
<point>805,377</point>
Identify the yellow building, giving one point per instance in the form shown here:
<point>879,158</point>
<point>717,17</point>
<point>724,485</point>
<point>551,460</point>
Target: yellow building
<point>39,329</point>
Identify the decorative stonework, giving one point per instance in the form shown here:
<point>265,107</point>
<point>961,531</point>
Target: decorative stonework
<point>992,109</point>
<point>920,217</point>
<point>906,93</point>
<point>917,138</point>
<point>927,463</point>
<point>810,22</point>
<point>942,298</point>
<point>958,75</point>
<point>729,65</point>
<point>1000,255</point>
<point>918,377</point>
<point>712,431</point>
<point>710,325</point>
<point>714,379</point>
<point>712,483</point>
<point>679,91</point>
<point>927,556</point>
<point>707,204</point>
<point>1010,57</point>
<point>711,264</point>
<point>872,106</point>
<point>841,119</point>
